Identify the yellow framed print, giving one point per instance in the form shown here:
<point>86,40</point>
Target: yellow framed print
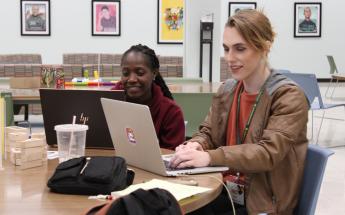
<point>170,26</point>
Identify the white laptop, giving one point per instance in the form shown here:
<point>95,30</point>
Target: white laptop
<point>134,138</point>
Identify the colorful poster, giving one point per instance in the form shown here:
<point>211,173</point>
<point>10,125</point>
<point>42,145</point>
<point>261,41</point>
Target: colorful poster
<point>170,21</point>
<point>307,21</point>
<point>106,17</point>
<point>35,18</point>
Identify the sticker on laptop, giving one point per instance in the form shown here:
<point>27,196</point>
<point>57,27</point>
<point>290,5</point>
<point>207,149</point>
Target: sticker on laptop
<point>130,135</point>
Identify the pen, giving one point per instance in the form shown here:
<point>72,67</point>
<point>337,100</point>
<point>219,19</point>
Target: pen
<point>87,162</point>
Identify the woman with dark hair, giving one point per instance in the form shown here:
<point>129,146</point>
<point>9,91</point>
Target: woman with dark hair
<point>143,84</point>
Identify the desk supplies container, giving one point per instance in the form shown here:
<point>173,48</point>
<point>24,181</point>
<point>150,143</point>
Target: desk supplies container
<point>71,140</point>
<point>48,76</point>
<point>59,78</point>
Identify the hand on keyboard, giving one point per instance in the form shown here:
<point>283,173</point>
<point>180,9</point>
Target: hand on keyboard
<point>168,168</point>
<point>190,158</point>
<point>189,145</point>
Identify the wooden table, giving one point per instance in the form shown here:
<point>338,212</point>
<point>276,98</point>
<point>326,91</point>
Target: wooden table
<point>32,96</point>
<point>25,191</point>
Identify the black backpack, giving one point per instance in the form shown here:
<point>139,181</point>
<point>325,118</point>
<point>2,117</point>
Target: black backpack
<point>91,176</point>
<point>143,202</point>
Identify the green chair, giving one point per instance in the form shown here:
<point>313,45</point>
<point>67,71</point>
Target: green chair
<point>9,108</point>
<point>195,107</point>
<point>335,75</point>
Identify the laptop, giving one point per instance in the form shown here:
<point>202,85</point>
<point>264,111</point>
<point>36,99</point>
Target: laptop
<point>59,106</point>
<point>134,138</point>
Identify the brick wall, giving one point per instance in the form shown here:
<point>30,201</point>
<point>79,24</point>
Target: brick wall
<point>111,58</point>
<point>20,70</point>
<point>21,59</point>
<point>171,66</point>
<point>224,71</point>
<point>84,58</point>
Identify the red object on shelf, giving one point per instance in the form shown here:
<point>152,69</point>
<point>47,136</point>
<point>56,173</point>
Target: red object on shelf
<point>93,84</point>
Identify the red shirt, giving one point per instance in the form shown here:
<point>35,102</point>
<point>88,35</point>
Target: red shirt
<point>167,118</point>
<point>246,104</point>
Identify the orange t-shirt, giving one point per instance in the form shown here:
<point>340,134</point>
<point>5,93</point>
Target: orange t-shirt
<point>246,104</point>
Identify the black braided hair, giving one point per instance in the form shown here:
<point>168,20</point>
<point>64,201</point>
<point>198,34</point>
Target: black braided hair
<point>153,63</point>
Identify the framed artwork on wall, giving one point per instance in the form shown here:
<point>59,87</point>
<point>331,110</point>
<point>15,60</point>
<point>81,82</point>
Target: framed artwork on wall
<point>236,6</point>
<point>35,18</point>
<point>307,19</point>
<point>170,26</point>
<point>106,17</point>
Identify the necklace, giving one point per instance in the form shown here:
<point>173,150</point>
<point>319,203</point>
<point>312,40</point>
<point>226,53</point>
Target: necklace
<point>239,140</point>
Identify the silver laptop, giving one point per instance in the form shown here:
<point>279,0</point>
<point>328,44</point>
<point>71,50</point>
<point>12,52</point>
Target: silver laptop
<point>134,138</point>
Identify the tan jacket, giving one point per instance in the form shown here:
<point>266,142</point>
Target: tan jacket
<point>273,156</point>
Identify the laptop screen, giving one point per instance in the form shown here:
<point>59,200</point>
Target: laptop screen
<point>59,107</point>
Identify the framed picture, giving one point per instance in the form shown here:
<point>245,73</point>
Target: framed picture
<point>170,26</point>
<point>236,6</point>
<point>106,18</point>
<point>307,19</point>
<point>35,17</point>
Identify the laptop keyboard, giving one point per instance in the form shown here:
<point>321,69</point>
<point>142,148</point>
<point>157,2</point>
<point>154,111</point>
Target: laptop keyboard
<point>168,168</point>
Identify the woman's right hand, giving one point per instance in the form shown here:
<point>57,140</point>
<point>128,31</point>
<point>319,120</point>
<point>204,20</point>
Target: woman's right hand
<point>189,145</point>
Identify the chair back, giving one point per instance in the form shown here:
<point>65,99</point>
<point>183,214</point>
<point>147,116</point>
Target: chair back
<point>308,82</point>
<point>314,169</point>
<point>8,117</point>
<point>283,71</point>
<point>332,65</point>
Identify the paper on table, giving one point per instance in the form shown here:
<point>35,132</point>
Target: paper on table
<point>179,191</point>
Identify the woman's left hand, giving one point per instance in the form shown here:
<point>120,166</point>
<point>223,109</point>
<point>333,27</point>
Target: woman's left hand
<point>190,158</point>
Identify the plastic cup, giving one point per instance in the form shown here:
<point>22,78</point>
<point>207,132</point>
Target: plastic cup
<point>71,140</point>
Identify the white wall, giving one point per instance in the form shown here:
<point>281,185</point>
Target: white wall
<point>71,30</point>
<point>195,9</point>
<point>305,55</point>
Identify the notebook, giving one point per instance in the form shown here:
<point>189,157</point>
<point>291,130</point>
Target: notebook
<point>134,138</point>
<point>59,106</point>
<point>179,191</point>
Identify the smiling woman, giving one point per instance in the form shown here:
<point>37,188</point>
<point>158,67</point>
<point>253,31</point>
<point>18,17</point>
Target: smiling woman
<point>137,78</point>
<point>256,126</point>
<point>143,84</point>
<point>246,49</point>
